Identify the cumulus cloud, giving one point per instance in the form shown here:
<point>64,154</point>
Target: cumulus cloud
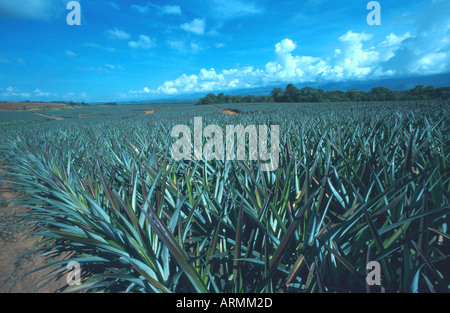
<point>209,80</point>
<point>424,50</point>
<point>144,43</point>
<point>428,50</point>
<point>355,59</point>
<point>197,26</point>
<point>394,40</point>
<point>288,67</point>
<point>392,43</point>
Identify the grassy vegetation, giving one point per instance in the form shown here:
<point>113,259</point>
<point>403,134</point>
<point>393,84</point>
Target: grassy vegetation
<point>356,183</point>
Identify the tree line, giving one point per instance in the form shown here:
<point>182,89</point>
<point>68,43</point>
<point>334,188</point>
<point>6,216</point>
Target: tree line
<point>308,94</point>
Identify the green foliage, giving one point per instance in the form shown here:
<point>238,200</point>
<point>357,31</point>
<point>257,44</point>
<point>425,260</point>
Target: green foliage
<point>308,94</point>
<point>353,185</point>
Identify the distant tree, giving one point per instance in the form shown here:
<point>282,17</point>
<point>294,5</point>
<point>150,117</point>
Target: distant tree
<point>220,98</point>
<point>442,92</point>
<point>382,94</point>
<point>208,99</point>
<point>250,99</point>
<point>336,96</point>
<point>292,94</point>
<point>354,95</point>
<point>228,99</point>
<point>308,94</point>
<point>277,94</point>
<point>238,99</point>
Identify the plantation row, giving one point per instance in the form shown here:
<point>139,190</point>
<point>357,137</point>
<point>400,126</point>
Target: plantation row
<point>355,184</point>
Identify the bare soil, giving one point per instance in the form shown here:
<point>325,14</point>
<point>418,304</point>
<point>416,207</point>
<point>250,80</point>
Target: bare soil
<point>16,257</point>
<point>148,112</point>
<point>229,112</point>
<point>226,111</point>
<point>13,106</point>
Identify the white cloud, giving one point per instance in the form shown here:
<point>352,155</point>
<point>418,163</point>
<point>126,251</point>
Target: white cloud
<point>11,92</point>
<point>392,43</point>
<point>117,34</point>
<point>356,61</point>
<point>170,9</point>
<point>144,42</point>
<point>355,56</point>
<point>210,80</point>
<point>184,47</point>
<point>353,61</point>
<point>42,94</point>
<point>428,50</point>
<point>15,94</point>
<point>160,9</point>
<point>197,26</point>
<point>231,9</point>
<point>432,63</point>
<point>394,40</point>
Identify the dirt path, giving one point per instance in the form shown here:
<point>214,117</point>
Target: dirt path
<point>15,246</point>
<point>51,117</point>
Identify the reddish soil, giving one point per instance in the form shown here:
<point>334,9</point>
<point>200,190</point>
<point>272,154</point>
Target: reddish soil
<point>13,106</point>
<point>226,111</point>
<point>148,112</point>
<point>16,258</point>
<point>229,112</point>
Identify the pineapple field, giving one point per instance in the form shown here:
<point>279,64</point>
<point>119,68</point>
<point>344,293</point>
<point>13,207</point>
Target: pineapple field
<point>356,183</point>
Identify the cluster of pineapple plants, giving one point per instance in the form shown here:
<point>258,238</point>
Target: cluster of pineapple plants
<point>356,183</point>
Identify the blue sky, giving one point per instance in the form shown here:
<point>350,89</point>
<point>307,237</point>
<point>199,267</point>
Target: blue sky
<point>137,50</point>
